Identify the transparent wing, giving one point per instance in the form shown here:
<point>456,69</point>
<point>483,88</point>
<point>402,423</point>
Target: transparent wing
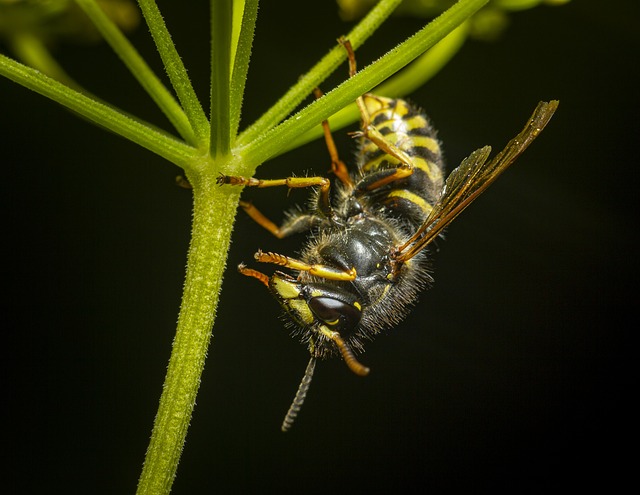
<point>471,178</point>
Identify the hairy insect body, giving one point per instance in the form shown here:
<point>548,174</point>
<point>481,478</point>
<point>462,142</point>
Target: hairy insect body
<point>366,256</point>
<point>360,308</point>
<point>367,224</point>
<point>408,130</point>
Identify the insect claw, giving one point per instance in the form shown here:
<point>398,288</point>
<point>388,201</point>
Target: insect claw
<point>183,182</point>
<point>222,179</point>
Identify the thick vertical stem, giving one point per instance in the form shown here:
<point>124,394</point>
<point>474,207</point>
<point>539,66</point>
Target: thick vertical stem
<point>214,211</point>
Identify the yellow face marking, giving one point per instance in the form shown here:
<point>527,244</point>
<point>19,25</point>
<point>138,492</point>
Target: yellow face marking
<point>285,288</point>
<point>301,309</point>
<point>357,306</point>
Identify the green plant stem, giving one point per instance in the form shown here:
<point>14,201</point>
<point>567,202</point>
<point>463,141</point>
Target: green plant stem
<point>241,57</point>
<point>139,68</point>
<point>111,118</point>
<point>221,29</point>
<point>409,79</point>
<point>215,207</point>
<point>176,71</point>
<point>278,138</point>
<point>214,211</point>
<point>305,85</point>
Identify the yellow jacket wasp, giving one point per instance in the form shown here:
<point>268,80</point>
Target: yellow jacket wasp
<point>364,261</point>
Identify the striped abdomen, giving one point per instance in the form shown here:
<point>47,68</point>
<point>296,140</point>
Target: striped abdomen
<point>408,130</point>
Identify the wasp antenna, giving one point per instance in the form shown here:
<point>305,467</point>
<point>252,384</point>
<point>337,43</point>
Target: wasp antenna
<point>298,400</point>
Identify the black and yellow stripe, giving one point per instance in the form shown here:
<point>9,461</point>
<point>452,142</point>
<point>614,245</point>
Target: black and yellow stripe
<point>409,131</point>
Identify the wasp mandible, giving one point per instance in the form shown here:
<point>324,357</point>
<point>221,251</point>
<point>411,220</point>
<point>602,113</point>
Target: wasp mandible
<point>365,259</point>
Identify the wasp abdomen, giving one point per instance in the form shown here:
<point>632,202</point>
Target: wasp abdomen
<point>409,131</point>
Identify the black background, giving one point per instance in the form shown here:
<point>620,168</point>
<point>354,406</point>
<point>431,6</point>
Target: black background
<point>512,374</point>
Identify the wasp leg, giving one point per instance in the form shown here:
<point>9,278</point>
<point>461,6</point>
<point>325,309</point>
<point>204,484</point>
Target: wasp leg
<point>338,168</point>
<point>368,130</point>
<point>297,223</point>
<point>381,178</point>
<point>291,182</point>
<point>324,271</point>
<point>249,272</point>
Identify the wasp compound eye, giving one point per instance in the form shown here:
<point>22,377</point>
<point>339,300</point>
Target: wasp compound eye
<point>335,313</point>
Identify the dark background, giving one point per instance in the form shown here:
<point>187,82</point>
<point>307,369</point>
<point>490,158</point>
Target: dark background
<point>513,373</point>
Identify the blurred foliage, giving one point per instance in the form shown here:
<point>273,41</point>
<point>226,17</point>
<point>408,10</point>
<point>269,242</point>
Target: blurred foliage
<point>33,28</point>
<point>487,25</point>
<point>54,20</point>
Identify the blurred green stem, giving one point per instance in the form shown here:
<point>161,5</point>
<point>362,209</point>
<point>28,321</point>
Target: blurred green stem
<point>33,52</point>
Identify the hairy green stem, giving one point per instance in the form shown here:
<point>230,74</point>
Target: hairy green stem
<point>175,70</point>
<point>305,85</point>
<point>138,131</point>
<point>241,56</point>
<point>221,29</point>
<point>277,139</point>
<point>403,83</point>
<point>214,212</point>
<point>215,207</point>
<point>139,68</point>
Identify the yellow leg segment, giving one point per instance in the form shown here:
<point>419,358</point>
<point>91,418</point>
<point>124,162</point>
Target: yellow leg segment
<point>323,271</point>
<point>290,182</point>
<point>369,132</point>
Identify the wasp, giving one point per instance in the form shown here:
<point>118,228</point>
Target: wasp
<point>366,257</point>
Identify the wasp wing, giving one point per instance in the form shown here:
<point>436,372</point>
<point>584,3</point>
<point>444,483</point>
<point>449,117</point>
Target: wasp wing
<point>472,178</point>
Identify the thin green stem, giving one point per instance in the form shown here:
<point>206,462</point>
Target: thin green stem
<point>221,29</point>
<point>278,138</point>
<point>305,85</point>
<point>404,82</point>
<point>241,58</point>
<point>176,70</point>
<point>138,131</point>
<point>139,69</point>
<point>214,211</point>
